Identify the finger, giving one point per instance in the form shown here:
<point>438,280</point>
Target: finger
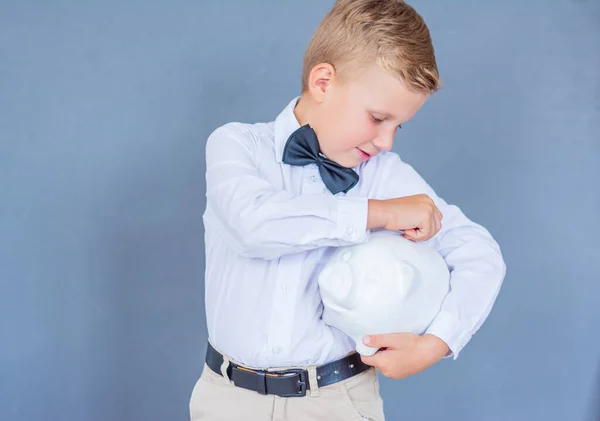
<point>432,226</point>
<point>438,224</point>
<point>420,233</point>
<point>410,234</point>
<point>385,340</point>
<point>435,227</point>
<point>439,218</point>
<point>374,360</point>
<point>426,229</point>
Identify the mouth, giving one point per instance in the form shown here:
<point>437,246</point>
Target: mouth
<point>363,155</point>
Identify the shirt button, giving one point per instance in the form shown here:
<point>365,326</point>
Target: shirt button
<point>351,231</point>
<point>313,178</point>
<point>276,350</point>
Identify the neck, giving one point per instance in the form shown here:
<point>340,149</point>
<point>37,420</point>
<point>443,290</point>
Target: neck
<point>302,110</point>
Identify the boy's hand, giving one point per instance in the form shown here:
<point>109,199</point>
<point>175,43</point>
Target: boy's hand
<point>416,215</point>
<point>404,354</point>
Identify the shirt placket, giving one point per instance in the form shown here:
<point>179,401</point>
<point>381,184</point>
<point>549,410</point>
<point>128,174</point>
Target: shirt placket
<point>289,268</point>
<point>279,341</point>
<point>311,180</point>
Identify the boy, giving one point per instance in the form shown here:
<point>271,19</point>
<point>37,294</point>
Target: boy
<point>280,194</point>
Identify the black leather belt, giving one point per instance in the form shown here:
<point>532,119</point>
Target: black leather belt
<point>286,383</point>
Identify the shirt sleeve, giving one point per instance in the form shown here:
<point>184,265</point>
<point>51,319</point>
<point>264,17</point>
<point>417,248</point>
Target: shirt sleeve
<point>261,221</point>
<point>476,265</point>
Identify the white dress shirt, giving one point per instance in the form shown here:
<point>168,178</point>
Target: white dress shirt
<point>269,227</point>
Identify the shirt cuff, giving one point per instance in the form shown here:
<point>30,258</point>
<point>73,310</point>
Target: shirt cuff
<point>352,213</point>
<point>448,328</point>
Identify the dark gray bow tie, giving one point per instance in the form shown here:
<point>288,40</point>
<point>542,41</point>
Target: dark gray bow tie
<point>302,148</point>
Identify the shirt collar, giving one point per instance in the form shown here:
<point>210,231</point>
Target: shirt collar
<point>285,124</point>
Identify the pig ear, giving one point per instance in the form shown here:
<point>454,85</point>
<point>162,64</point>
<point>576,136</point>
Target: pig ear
<point>406,268</point>
<point>406,274</point>
<point>325,273</point>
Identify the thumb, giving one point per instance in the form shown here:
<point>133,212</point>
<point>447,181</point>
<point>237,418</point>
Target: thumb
<point>387,340</point>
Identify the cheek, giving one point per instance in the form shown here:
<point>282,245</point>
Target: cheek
<point>345,127</point>
<point>360,128</point>
<point>352,133</point>
<point>356,134</point>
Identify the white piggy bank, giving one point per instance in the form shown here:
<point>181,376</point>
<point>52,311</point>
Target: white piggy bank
<point>387,285</point>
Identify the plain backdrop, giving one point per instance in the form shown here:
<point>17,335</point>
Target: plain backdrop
<point>105,108</point>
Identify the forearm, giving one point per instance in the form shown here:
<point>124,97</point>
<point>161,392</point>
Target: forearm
<point>279,225</point>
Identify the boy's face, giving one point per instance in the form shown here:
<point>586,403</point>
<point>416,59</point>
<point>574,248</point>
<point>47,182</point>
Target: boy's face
<point>359,118</point>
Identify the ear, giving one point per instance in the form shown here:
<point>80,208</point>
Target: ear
<point>319,81</point>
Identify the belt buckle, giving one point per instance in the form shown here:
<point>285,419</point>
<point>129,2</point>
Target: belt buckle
<point>302,382</point>
<point>250,379</point>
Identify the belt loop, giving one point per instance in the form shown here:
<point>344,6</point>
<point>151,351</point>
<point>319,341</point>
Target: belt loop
<point>224,367</point>
<point>312,379</point>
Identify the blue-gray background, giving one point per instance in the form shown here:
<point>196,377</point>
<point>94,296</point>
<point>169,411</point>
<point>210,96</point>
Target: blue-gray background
<point>105,107</point>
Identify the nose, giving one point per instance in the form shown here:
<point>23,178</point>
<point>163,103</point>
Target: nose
<point>384,141</point>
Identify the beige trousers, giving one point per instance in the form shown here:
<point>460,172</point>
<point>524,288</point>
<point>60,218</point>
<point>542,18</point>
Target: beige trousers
<point>215,398</point>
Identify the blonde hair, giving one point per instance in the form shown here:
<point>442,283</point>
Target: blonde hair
<point>390,33</point>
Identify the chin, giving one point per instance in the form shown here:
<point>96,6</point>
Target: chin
<point>349,161</point>
<point>352,164</point>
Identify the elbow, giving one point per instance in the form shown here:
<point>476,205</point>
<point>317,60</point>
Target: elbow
<point>496,266</point>
<point>502,269</point>
<point>249,243</point>
<point>500,263</point>
<point>260,253</point>
<point>251,250</point>
<point>244,236</point>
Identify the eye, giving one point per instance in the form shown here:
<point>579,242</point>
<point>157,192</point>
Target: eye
<point>375,119</point>
<point>381,120</point>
